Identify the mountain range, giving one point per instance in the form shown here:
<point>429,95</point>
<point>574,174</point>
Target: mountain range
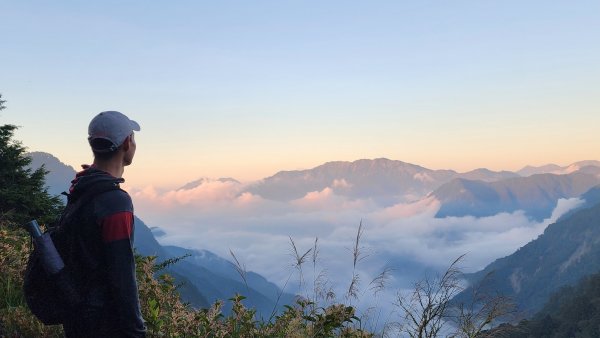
<point>568,250</point>
<point>386,181</point>
<point>479,193</point>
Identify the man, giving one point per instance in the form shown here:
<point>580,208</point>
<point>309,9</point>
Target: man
<point>104,248</point>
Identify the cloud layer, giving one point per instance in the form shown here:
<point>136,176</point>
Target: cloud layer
<point>219,216</point>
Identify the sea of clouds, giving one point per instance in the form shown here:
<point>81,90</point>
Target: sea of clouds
<point>406,237</point>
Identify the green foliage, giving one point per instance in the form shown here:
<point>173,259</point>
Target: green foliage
<point>15,318</point>
<point>2,102</point>
<point>11,277</point>
<point>328,321</point>
<point>167,316</point>
<point>23,195</point>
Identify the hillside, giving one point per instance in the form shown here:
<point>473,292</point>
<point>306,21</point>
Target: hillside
<point>567,251</point>
<point>572,311</point>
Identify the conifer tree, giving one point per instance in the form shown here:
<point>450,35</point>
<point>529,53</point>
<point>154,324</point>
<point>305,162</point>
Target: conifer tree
<point>23,194</point>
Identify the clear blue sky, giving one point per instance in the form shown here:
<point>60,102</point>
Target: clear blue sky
<point>247,88</point>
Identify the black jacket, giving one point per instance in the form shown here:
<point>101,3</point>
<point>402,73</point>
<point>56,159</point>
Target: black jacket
<point>103,254</point>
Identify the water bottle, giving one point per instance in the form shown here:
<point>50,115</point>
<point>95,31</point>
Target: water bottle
<point>34,229</point>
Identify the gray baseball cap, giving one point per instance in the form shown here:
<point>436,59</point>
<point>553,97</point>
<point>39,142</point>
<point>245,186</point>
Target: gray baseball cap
<point>111,126</point>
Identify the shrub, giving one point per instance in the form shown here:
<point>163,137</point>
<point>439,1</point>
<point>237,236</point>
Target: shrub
<point>167,316</point>
<point>15,318</point>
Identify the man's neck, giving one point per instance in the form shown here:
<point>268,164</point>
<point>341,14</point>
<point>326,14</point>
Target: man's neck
<point>115,168</point>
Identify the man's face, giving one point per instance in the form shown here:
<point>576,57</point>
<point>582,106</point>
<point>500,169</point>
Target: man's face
<point>130,153</point>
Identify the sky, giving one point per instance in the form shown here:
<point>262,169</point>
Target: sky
<point>245,89</point>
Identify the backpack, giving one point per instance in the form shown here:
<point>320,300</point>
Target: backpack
<point>52,297</point>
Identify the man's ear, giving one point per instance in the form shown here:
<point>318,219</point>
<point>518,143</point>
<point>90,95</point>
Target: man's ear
<point>127,143</point>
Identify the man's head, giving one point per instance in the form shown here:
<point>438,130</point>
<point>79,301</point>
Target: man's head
<point>111,133</point>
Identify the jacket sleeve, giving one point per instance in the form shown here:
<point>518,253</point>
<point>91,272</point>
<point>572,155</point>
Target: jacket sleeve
<point>117,236</point>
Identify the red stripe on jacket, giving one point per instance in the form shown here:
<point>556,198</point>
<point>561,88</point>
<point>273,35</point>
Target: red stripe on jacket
<point>117,226</point>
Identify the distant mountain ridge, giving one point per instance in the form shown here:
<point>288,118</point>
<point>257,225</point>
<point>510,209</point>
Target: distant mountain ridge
<point>382,179</point>
<point>486,175</point>
<point>386,181</point>
<point>556,169</point>
<point>537,195</point>
<point>480,192</point>
<point>59,174</point>
<point>205,180</point>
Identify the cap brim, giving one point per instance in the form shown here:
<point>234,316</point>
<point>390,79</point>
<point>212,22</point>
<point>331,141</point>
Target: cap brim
<point>134,125</point>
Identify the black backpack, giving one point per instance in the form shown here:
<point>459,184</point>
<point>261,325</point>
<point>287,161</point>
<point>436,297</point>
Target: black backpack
<point>51,298</point>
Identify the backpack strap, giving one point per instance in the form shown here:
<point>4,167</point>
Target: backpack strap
<point>75,202</point>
